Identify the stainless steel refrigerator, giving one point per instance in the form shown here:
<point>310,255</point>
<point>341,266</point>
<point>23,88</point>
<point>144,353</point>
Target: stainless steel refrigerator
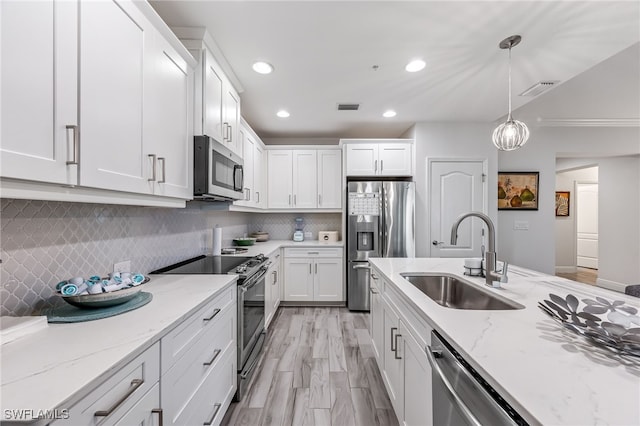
<point>380,223</point>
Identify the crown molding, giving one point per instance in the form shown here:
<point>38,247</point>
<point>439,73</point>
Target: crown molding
<point>588,122</point>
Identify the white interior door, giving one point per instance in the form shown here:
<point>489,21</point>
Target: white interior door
<point>587,224</point>
<point>456,187</point>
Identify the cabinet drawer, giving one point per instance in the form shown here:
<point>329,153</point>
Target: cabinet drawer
<point>182,380</point>
<point>119,393</point>
<point>179,340</point>
<point>313,252</point>
<point>212,398</point>
<point>145,412</point>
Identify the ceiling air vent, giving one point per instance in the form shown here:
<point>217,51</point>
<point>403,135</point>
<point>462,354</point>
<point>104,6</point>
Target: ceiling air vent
<point>348,107</point>
<point>539,87</point>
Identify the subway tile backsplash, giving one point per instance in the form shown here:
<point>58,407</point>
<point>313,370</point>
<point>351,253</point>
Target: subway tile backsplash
<point>44,242</point>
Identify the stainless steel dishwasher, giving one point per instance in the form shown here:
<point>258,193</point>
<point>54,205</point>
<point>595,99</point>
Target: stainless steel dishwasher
<point>460,395</point>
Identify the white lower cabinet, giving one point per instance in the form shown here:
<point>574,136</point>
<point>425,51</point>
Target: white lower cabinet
<point>399,339</point>
<point>313,275</point>
<point>130,396</point>
<point>199,364</point>
<point>272,288</point>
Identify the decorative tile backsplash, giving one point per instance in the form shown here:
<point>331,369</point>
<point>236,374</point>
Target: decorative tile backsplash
<point>43,242</point>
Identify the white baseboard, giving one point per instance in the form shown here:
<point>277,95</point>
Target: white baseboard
<point>611,285</point>
<point>566,269</point>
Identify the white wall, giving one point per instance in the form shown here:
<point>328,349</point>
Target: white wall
<point>565,227</point>
<point>448,140</point>
<point>536,248</point>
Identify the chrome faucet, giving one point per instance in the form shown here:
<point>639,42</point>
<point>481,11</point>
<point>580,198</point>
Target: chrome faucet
<point>491,274</point>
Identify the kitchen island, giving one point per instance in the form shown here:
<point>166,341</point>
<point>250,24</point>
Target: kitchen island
<point>548,375</point>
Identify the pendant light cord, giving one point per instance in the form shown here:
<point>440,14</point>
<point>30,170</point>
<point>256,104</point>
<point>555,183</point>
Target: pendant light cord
<point>509,117</point>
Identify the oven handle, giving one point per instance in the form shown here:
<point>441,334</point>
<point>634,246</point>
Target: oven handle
<point>455,398</point>
<point>253,280</point>
<point>246,373</point>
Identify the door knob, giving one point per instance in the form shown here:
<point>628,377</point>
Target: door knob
<point>437,243</point>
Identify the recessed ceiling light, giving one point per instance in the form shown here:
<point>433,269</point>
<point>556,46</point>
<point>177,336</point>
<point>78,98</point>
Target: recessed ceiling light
<point>415,65</point>
<point>389,113</point>
<point>283,114</point>
<point>262,67</point>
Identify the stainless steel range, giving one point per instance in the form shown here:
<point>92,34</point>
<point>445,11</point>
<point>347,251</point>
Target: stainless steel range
<point>251,273</point>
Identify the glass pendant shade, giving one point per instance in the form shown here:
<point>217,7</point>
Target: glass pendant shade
<point>511,134</point>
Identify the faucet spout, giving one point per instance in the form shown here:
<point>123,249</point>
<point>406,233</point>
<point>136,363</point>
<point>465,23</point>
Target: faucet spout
<point>491,257</point>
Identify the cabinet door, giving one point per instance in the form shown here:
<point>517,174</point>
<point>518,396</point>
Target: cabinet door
<point>114,67</point>
<point>259,196</point>
<point>393,371</point>
<point>146,411</point>
<point>327,280</point>
<point>305,187</point>
<point>213,99</point>
<point>168,124</point>
<point>395,159</point>
<point>280,185</point>
<point>298,279</point>
<point>39,90</point>
<point>329,178</point>
<point>231,107</point>
<point>271,292</point>
<point>376,322</point>
<point>418,409</point>
<point>362,159</point>
<point>249,179</point>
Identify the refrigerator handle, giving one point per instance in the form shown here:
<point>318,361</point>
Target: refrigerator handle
<point>382,235</point>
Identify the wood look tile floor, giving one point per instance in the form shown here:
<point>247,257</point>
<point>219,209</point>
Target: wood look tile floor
<point>317,368</point>
<point>582,275</point>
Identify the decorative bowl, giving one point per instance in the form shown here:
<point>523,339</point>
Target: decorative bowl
<point>244,241</point>
<point>103,300</point>
<point>260,236</point>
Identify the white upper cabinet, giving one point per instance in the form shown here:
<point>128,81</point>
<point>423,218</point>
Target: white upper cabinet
<point>280,183</point>
<point>304,178</point>
<point>231,123</point>
<point>39,112</point>
<point>253,167</point>
<point>379,157</point>
<point>108,99</point>
<point>305,186</point>
<point>212,98</point>
<point>259,185</point>
<point>329,178</point>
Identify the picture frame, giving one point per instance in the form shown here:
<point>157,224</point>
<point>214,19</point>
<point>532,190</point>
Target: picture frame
<point>518,190</point>
<point>563,199</point>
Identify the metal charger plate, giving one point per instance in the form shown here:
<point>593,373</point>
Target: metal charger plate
<point>103,300</point>
<point>618,331</point>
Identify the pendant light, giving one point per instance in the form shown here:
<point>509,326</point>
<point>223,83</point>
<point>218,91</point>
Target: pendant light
<point>511,134</point>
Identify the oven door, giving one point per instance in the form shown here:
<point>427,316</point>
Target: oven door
<point>250,314</point>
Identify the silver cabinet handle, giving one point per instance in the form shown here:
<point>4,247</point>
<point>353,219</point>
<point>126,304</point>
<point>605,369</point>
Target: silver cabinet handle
<point>230,133</point>
<point>289,199</point>
<point>160,415</point>
<point>257,197</point>
<point>309,269</point>
<point>164,170</point>
<point>313,252</point>
<point>392,338</point>
<point>215,355</point>
<point>437,243</point>
<point>225,132</point>
<point>215,413</point>
<point>275,277</point>
<point>375,165</point>
<point>216,311</point>
<point>372,290</point>
<point>465,411</point>
<point>153,167</point>
<point>135,384</point>
<point>374,276</point>
<point>396,350</point>
<point>381,165</point>
<point>75,144</point>
<point>319,199</point>
<point>316,269</point>
<point>295,200</point>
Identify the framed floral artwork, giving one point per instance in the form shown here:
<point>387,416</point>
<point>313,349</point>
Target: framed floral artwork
<point>562,203</point>
<point>518,190</point>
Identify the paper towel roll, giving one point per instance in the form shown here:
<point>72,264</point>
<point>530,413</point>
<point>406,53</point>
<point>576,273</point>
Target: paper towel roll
<point>217,241</point>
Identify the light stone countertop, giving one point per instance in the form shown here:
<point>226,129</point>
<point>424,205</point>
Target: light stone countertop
<point>549,375</point>
<point>55,367</point>
<point>268,247</point>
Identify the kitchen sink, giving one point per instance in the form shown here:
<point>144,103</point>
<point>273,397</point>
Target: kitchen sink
<point>452,292</point>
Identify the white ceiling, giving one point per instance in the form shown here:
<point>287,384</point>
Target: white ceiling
<point>323,53</point>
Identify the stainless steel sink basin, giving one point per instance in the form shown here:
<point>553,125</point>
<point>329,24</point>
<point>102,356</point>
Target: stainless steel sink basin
<point>452,292</point>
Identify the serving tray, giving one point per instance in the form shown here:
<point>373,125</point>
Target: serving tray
<point>69,314</point>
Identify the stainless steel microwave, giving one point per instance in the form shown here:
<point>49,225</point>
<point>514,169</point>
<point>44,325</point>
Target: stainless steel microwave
<point>218,173</point>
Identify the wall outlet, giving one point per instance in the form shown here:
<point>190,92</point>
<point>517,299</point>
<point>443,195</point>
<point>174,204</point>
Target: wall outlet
<point>124,266</point>
<point>308,235</point>
<point>521,225</point>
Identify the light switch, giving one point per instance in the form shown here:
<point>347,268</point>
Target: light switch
<point>521,225</point>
